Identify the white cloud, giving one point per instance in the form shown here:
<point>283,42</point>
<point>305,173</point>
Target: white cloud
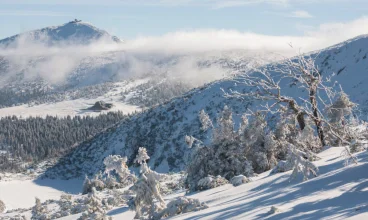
<point>300,14</point>
<point>292,14</point>
<point>209,40</point>
<point>203,40</point>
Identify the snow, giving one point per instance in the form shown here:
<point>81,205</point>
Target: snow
<point>76,106</point>
<point>338,192</point>
<point>21,193</point>
<point>63,109</point>
<point>335,194</point>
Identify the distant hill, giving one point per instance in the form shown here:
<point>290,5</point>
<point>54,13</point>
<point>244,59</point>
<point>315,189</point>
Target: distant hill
<point>74,32</point>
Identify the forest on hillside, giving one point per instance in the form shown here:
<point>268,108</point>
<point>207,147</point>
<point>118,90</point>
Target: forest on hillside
<point>35,139</point>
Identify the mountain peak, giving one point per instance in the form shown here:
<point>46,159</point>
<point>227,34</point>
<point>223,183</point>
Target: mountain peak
<point>74,32</point>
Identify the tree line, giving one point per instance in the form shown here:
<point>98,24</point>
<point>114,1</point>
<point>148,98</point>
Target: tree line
<point>30,140</point>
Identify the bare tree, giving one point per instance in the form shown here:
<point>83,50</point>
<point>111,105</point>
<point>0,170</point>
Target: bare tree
<point>268,84</point>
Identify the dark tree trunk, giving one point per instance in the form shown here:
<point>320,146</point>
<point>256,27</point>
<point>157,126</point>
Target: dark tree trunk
<point>299,114</point>
<point>316,119</point>
<point>301,121</point>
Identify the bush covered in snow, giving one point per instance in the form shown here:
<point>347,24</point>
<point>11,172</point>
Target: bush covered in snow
<point>2,206</point>
<point>300,164</point>
<point>100,181</point>
<point>239,180</point>
<point>96,183</point>
<point>282,166</point>
<point>173,183</point>
<point>274,210</point>
<point>40,211</point>
<point>179,206</point>
<point>66,205</point>
<point>211,182</point>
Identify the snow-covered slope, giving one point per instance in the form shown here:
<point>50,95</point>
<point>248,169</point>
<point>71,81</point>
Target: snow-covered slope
<point>162,129</point>
<point>338,192</point>
<point>74,32</point>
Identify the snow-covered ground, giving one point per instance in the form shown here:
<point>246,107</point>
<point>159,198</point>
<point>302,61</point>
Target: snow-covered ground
<point>339,192</point>
<point>21,193</point>
<point>64,108</point>
<point>76,106</point>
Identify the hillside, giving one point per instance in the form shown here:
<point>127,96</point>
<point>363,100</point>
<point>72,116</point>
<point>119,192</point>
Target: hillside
<point>338,192</point>
<point>162,129</point>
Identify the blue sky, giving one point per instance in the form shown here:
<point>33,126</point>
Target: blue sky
<point>129,19</point>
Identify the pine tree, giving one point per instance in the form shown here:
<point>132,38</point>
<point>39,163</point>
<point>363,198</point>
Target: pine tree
<point>225,157</point>
<point>205,120</point>
<point>39,211</point>
<point>66,205</point>
<point>146,188</point>
<point>94,208</point>
<point>117,163</point>
<point>340,115</point>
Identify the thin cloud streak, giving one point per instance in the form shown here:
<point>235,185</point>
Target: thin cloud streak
<point>33,13</point>
<point>300,14</point>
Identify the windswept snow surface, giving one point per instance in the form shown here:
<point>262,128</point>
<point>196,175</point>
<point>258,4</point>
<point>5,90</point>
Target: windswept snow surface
<point>339,192</point>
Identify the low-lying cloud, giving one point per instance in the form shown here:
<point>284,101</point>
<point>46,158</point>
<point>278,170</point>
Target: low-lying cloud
<point>143,54</point>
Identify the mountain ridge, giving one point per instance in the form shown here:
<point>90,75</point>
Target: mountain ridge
<point>73,32</point>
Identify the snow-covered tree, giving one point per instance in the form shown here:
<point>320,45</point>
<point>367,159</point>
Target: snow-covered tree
<point>94,207</point>
<point>225,127</point>
<point>142,156</point>
<point>66,205</point>
<point>306,139</point>
<point>205,120</point>
<point>147,188</point>
<point>118,163</point>
<point>271,146</point>
<point>299,164</point>
<point>97,183</point>
<point>40,211</point>
<point>2,207</point>
<point>268,84</point>
<point>225,157</point>
<point>340,109</point>
<point>340,115</point>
